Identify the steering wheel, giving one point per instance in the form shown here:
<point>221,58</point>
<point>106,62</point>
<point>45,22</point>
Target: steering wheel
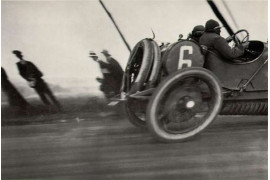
<point>237,41</point>
<point>245,39</point>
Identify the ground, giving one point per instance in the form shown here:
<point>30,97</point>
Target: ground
<point>93,141</point>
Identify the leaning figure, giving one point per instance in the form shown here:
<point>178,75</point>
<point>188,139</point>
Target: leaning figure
<point>34,78</point>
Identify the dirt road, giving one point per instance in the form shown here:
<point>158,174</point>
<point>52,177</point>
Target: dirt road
<point>109,147</point>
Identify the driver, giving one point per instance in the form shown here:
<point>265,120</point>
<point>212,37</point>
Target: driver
<point>212,39</point>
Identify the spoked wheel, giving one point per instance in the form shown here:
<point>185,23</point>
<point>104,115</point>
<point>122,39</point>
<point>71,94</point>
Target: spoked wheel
<point>184,104</point>
<point>136,111</point>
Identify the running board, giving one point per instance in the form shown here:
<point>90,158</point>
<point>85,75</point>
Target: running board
<point>142,94</point>
<point>138,95</point>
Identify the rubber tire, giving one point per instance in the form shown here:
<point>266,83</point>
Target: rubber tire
<point>155,70</point>
<point>150,52</point>
<point>202,73</point>
<point>145,68</point>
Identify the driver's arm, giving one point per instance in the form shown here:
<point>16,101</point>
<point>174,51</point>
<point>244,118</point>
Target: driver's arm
<point>221,45</point>
<point>229,39</point>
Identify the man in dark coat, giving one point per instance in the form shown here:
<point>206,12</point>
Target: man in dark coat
<point>212,39</point>
<point>34,77</point>
<point>115,68</point>
<point>112,78</point>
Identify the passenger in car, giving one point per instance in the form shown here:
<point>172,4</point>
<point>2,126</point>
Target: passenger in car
<point>212,39</point>
<point>196,33</point>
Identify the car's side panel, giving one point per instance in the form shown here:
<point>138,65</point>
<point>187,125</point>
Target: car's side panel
<point>234,75</point>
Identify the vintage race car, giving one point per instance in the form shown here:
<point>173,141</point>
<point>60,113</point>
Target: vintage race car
<point>178,91</point>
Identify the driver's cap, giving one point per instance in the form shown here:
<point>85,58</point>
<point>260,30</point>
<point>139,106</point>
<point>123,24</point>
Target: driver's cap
<point>212,25</point>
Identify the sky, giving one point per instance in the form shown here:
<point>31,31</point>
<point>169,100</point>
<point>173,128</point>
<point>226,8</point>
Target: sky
<point>58,35</point>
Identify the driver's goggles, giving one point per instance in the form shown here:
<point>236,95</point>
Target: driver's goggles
<point>218,27</point>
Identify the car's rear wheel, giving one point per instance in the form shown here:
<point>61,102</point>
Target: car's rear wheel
<point>184,104</point>
<point>136,111</point>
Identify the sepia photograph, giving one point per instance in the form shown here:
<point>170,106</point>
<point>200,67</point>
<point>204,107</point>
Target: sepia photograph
<point>134,90</point>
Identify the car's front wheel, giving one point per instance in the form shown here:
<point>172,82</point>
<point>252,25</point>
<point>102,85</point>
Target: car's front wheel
<point>184,104</point>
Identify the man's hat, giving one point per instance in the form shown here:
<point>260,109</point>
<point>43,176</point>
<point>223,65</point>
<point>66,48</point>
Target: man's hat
<point>105,52</point>
<point>17,52</point>
<point>198,29</point>
<point>92,54</point>
<point>212,25</point>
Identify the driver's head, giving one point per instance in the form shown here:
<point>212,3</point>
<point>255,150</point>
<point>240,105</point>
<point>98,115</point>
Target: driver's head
<point>212,26</point>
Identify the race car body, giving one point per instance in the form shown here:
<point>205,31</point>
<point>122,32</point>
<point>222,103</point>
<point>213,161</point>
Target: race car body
<point>177,91</point>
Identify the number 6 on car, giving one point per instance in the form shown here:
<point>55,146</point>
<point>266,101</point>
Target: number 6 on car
<point>183,61</point>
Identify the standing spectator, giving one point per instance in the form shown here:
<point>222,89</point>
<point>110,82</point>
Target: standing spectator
<point>115,69</point>
<point>111,81</point>
<point>34,78</point>
<point>15,99</point>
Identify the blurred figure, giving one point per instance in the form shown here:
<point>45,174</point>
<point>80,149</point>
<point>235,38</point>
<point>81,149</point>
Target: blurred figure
<point>34,78</point>
<point>112,75</point>
<point>115,69</point>
<point>15,99</point>
<point>196,33</point>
